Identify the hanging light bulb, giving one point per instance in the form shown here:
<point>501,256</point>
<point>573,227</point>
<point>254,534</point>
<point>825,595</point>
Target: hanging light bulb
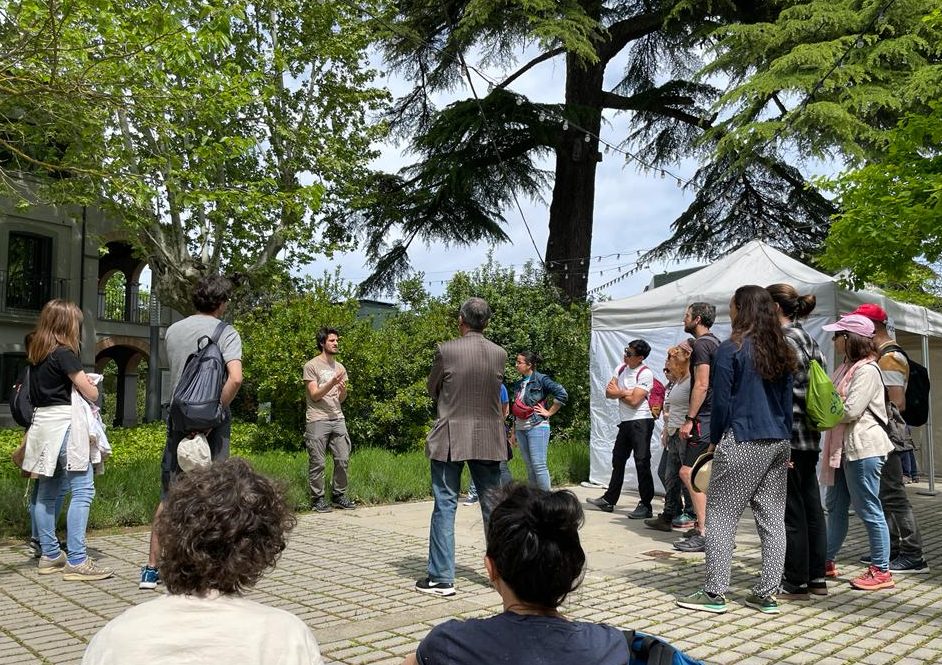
<point>565,125</point>
<point>519,101</point>
<point>588,138</point>
<point>542,116</point>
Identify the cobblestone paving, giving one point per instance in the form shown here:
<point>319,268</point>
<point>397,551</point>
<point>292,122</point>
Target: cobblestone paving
<point>350,577</point>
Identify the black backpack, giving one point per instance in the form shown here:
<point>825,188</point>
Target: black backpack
<point>917,390</point>
<point>20,407</point>
<point>194,405</point>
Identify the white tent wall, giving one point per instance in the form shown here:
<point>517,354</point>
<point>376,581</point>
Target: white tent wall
<point>656,316</point>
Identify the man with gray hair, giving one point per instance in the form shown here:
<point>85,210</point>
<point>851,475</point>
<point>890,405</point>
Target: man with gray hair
<point>465,382</point>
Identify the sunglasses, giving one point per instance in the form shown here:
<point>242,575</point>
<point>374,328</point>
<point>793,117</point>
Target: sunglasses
<point>630,354</point>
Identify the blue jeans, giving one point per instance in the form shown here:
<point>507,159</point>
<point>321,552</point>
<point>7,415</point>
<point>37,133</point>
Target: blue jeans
<point>533,444</point>
<point>446,483</point>
<point>31,508</point>
<point>858,483</point>
<point>505,479</point>
<point>48,499</point>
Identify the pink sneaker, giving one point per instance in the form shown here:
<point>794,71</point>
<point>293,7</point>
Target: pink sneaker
<point>874,579</point>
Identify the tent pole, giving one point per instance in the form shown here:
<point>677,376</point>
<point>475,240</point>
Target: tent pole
<point>931,457</point>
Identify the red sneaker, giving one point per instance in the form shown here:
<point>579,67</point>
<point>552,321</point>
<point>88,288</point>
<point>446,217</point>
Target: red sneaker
<point>830,570</point>
<point>874,579</point>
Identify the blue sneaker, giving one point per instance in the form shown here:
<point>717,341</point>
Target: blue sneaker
<point>150,578</point>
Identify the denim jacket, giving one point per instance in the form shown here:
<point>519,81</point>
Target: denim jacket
<point>538,388</point>
<point>742,400</point>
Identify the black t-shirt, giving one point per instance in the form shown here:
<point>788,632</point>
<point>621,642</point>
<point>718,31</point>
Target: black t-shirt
<point>704,347</point>
<point>49,382</point>
<point>522,640</point>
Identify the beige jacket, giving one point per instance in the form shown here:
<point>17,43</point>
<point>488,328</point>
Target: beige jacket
<point>864,436</point>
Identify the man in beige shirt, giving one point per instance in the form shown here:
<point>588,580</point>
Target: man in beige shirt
<point>325,388</point>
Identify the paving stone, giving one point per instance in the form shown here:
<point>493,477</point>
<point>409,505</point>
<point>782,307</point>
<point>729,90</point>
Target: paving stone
<point>381,625</point>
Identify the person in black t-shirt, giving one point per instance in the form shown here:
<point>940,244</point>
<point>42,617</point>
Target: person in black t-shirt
<point>695,432</point>
<point>59,460</point>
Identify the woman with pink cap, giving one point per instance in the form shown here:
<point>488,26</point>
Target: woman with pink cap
<point>855,450</point>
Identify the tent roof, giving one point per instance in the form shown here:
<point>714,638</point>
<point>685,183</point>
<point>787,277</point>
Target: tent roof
<point>753,263</point>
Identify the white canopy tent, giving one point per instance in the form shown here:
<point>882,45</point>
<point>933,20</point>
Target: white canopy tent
<point>656,316</point>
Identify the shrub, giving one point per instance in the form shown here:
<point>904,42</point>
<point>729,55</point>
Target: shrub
<point>387,404</point>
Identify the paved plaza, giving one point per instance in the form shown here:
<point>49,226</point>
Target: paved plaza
<point>350,576</point>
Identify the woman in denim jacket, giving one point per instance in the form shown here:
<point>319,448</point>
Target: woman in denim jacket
<point>531,416</point>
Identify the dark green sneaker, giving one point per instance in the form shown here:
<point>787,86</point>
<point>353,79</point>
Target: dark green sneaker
<point>701,600</point>
<point>767,605</point>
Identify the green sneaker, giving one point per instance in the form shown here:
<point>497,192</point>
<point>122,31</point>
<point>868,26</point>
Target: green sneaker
<point>701,600</point>
<point>767,605</point>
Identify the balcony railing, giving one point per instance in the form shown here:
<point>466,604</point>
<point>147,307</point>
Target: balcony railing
<point>24,292</point>
<point>138,308</point>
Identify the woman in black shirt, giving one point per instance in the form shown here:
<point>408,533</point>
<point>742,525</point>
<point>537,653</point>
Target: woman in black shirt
<point>60,461</point>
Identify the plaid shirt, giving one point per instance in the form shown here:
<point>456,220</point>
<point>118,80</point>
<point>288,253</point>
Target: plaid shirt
<point>804,436</point>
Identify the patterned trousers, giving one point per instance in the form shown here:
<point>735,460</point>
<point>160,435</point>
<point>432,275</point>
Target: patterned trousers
<point>754,474</point>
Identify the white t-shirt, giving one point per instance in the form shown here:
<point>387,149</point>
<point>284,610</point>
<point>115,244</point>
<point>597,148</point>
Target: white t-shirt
<point>175,629</point>
<point>629,379</point>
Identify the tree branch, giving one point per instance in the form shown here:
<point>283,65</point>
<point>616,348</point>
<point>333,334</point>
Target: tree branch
<point>628,30</point>
<point>659,105</point>
<point>537,60</point>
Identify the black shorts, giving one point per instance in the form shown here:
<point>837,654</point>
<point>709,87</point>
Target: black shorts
<point>697,443</point>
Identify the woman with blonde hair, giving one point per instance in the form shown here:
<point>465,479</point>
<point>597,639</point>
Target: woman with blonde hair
<point>678,508</point>
<point>60,461</point>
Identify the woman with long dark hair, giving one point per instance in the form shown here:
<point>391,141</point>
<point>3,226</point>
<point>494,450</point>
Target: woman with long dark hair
<point>805,527</point>
<point>534,560</point>
<point>750,426</point>
<point>61,462</point>
<point>855,451</point>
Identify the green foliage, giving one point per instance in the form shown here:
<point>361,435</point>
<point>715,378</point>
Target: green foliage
<point>891,224</point>
<point>127,493</point>
<point>877,60</point>
<point>281,337</point>
<point>216,130</point>
<point>387,403</point>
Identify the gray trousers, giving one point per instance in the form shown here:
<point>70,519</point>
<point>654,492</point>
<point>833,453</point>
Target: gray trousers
<point>319,436</point>
<point>754,474</point>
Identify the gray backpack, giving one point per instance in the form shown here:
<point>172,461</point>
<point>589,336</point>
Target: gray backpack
<point>194,405</point>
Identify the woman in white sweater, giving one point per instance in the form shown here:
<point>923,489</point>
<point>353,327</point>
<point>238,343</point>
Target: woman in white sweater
<point>855,450</point>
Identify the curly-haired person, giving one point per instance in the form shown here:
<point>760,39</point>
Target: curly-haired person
<point>222,527</point>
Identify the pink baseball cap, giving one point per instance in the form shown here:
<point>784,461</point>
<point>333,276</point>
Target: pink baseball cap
<point>854,323</point>
<point>872,311</point>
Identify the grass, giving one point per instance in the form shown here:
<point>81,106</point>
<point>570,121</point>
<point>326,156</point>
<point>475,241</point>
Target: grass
<point>128,492</point>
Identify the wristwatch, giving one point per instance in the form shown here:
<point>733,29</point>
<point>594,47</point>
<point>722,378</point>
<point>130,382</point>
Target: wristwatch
<point>690,419</point>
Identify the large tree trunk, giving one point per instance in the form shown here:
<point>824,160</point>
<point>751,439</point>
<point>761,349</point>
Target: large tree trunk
<point>571,213</point>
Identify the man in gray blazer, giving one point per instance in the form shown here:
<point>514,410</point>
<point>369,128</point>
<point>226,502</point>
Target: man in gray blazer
<point>465,381</point>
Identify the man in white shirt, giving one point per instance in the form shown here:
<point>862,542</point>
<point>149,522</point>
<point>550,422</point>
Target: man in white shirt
<point>630,386</point>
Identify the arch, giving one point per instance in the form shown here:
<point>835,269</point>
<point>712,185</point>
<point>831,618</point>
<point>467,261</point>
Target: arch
<point>127,354</point>
<point>136,343</point>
